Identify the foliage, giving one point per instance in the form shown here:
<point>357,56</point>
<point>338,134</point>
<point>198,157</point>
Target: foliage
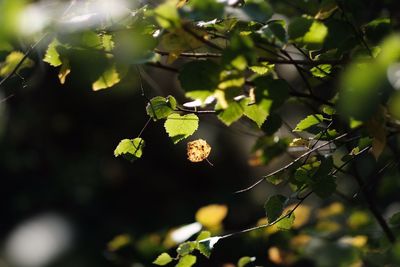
<point>228,58</point>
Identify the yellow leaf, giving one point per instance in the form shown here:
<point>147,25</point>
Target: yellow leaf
<point>281,257</point>
<point>300,241</point>
<point>358,241</point>
<point>211,216</point>
<point>299,142</point>
<point>198,150</point>
<point>12,60</point>
<point>64,71</point>
<point>302,215</point>
<point>118,242</point>
<point>109,78</point>
<point>333,209</point>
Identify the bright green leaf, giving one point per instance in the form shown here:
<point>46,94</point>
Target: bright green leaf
<point>167,15</point>
<point>186,248</point>
<point>232,113</point>
<point>12,60</point>
<point>243,261</point>
<point>131,149</point>
<point>321,71</point>
<point>163,259</point>
<point>180,127</point>
<point>308,32</point>
<point>187,261</point>
<point>52,56</point>
<point>160,107</point>
<point>274,207</point>
<point>205,246</point>
<point>286,223</point>
<point>308,122</point>
<point>256,113</point>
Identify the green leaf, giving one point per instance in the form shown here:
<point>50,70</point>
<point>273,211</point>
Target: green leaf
<point>395,219</point>
<point>203,235</point>
<point>180,127</point>
<point>160,107</point>
<point>232,113</point>
<point>286,223</point>
<point>272,124</point>
<point>205,246</point>
<point>274,207</point>
<point>199,78</point>
<point>163,259</point>
<point>275,32</point>
<point>308,122</point>
<point>130,149</point>
<point>167,15</point>
<point>109,78</point>
<point>308,32</point>
<point>321,71</point>
<point>270,93</point>
<point>12,60</point>
<point>52,56</point>
<point>256,113</point>
<point>186,261</point>
<point>324,186</point>
<point>186,248</point>
<point>376,30</point>
<point>243,261</point>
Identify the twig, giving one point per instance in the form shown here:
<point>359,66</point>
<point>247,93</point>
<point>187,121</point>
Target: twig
<point>292,162</point>
<point>26,55</point>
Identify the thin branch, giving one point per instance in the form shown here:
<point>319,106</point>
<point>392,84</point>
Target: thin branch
<point>292,163</point>
<point>26,55</point>
<point>201,38</point>
<point>287,215</point>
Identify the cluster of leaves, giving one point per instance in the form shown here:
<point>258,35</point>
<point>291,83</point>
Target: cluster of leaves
<point>226,55</point>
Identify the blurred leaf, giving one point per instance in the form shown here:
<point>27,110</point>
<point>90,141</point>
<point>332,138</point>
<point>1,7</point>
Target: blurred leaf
<point>308,32</point>
<point>130,149</point>
<point>212,215</point>
<point>186,261</point>
<point>395,219</point>
<point>52,56</point>
<point>64,71</point>
<point>274,32</point>
<point>180,127</point>
<point>274,207</point>
<point>244,261</point>
<point>378,29</point>
<point>270,93</point>
<point>109,78</point>
<point>333,209</point>
<point>327,8</point>
<point>12,60</point>
<point>203,235</point>
<point>107,42</point>
<point>167,15</point>
<point>308,122</point>
<point>358,219</point>
<point>163,259</point>
<point>321,71</point>
<point>161,107</point>
<point>118,242</point>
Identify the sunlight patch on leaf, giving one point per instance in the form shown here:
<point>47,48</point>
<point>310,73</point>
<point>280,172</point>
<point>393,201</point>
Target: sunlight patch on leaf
<point>180,127</point>
<point>109,78</point>
<point>131,149</point>
<point>12,60</point>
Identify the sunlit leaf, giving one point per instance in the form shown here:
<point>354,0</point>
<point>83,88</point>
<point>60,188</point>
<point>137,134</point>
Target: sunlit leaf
<point>308,122</point>
<point>109,78</point>
<point>187,261</point>
<point>163,259</point>
<point>232,113</point>
<point>52,56</point>
<point>64,71</point>
<point>205,246</point>
<point>161,107</point>
<point>185,248</point>
<point>198,150</point>
<point>12,60</point>
<point>167,15</point>
<point>244,261</point>
<point>286,223</point>
<point>308,32</point>
<point>180,127</point>
<point>131,149</point>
